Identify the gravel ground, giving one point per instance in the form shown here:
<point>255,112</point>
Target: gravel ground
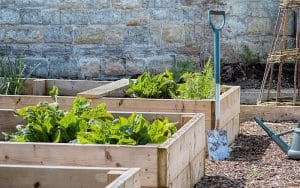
<point>256,161</point>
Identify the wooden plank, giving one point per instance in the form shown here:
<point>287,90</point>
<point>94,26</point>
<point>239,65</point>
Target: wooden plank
<point>192,173</point>
<point>23,176</point>
<point>113,174</point>
<point>270,113</point>
<point>129,179</point>
<point>8,121</point>
<point>28,86</point>
<point>250,96</point>
<point>189,141</point>
<point>66,87</point>
<point>230,105</point>
<point>72,87</point>
<point>145,157</point>
<point>39,86</point>
<point>138,104</point>
<point>17,176</point>
<point>20,101</point>
<point>232,127</point>
<point>106,90</point>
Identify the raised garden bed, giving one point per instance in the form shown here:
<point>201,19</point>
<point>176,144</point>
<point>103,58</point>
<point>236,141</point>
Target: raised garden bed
<point>35,86</point>
<point>178,162</point>
<point>37,90</point>
<point>22,176</point>
<point>270,113</point>
<point>230,106</point>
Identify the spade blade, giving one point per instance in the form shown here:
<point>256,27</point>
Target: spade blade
<point>217,145</point>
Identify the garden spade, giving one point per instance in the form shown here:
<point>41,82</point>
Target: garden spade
<point>217,139</point>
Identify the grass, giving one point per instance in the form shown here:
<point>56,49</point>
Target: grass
<point>13,76</point>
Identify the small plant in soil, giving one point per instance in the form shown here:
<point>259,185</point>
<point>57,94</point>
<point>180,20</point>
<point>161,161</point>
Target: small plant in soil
<point>256,174</point>
<point>13,75</point>
<point>193,85</point>
<point>198,86</point>
<point>86,125</point>
<point>249,57</point>
<point>153,86</point>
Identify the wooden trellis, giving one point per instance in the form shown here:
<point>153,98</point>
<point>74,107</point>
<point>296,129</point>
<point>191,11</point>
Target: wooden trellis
<point>280,54</point>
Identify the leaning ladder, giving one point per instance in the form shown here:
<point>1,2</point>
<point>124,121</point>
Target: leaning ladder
<point>280,54</point>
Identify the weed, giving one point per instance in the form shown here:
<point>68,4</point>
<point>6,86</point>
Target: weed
<point>12,75</point>
<point>250,57</point>
<point>256,174</point>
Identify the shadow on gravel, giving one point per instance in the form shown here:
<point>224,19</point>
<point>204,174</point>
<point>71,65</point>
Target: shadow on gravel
<point>250,147</point>
<point>219,182</point>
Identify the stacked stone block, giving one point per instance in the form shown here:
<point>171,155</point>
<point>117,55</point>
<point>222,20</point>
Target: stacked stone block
<point>106,39</point>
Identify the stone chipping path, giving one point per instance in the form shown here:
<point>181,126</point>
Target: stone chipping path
<point>256,161</point>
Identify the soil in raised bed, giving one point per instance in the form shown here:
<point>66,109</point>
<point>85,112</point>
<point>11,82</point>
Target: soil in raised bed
<point>249,76</point>
<point>256,161</point>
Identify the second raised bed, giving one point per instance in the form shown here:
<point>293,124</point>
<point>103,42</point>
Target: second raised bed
<point>178,162</point>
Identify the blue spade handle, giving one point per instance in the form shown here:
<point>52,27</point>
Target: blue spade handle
<point>216,13</point>
<point>216,30</point>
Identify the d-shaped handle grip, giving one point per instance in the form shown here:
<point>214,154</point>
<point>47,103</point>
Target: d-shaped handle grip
<point>216,13</point>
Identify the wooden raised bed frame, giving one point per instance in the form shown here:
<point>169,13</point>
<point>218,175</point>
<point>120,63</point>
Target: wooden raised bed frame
<point>178,162</point>
<point>230,103</point>
<point>28,176</point>
<point>270,113</point>
<point>36,86</point>
<point>230,106</point>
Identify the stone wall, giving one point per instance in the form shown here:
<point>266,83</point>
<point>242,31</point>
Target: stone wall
<point>114,38</point>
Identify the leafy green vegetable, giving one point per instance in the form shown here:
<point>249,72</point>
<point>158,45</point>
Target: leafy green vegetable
<point>198,86</point>
<point>149,86</point>
<point>54,93</point>
<point>132,130</point>
<point>86,125</point>
<point>194,85</point>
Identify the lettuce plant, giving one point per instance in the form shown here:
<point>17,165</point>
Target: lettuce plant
<point>86,125</point>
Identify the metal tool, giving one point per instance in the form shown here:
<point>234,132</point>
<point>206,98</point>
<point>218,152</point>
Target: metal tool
<point>293,151</point>
<point>217,139</point>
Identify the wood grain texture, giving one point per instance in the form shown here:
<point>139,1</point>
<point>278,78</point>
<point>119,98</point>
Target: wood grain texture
<point>8,121</point>
<point>28,176</point>
<point>189,141</point>
<point>39,87</point>
<point>129,179</point>
<point>72,87</point>
<point>230,105</point>
<point>270,113</point>
<point>169,158</point>
<point>35,86</point>
<point>106,90</point>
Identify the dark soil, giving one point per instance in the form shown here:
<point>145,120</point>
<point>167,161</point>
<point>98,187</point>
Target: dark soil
<point>250,76</point>
<point>256,161</point>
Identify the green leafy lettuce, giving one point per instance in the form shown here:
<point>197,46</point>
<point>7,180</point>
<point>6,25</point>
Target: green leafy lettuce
<point>86,125</point>
<point>153,86</point>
